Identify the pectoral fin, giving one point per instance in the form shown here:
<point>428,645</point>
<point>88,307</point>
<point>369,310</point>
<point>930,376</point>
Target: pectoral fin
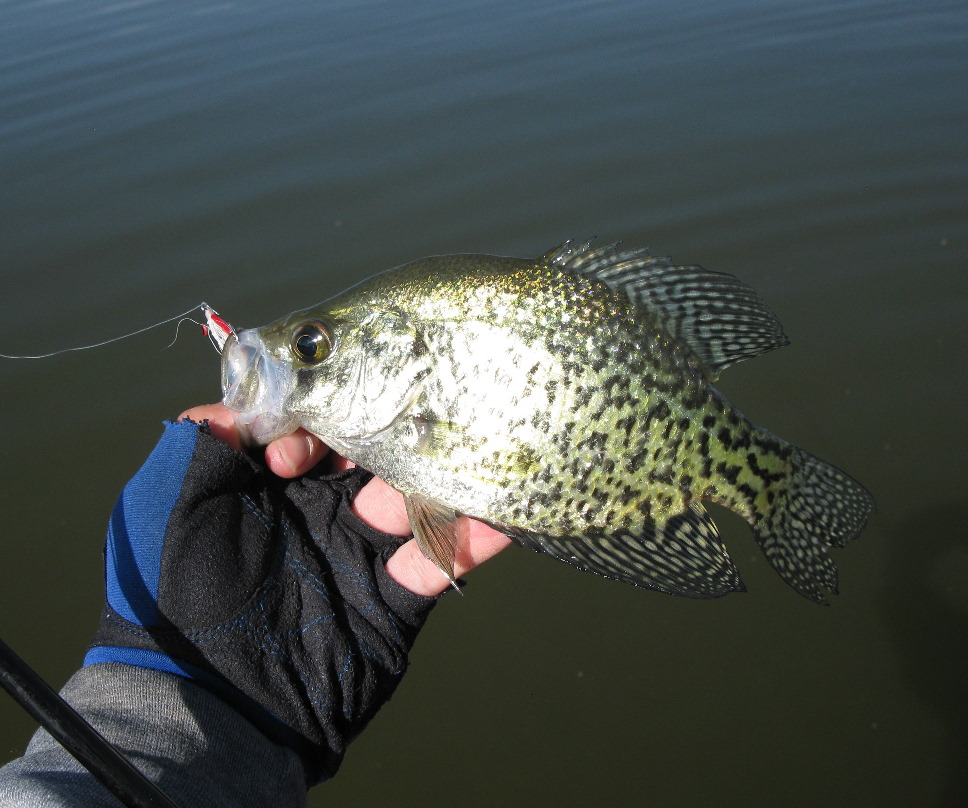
<point>682,556</point>
<point>437,531</point>
<point>437,438</point>
<point>443,440</point>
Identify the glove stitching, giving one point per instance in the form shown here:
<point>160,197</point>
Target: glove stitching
<point>318,696</point>
<point>347,570</point>
<point>336,562</point>
<point>315,690</point>
<point>364,612</point>
<point>363,584</point>
<point>319,586</point>
<point>256,510</point>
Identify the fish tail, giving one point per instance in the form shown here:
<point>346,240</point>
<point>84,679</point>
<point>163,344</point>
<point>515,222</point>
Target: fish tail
<point>820,506</point>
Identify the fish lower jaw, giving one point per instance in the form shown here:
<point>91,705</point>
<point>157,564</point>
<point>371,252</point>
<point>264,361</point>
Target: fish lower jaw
<point>335,434</point>
<point>259,428</point>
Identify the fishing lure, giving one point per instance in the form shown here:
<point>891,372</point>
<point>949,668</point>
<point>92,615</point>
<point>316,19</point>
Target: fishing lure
<point>216,328</point>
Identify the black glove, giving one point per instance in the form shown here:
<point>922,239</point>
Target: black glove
<point>269,592</point>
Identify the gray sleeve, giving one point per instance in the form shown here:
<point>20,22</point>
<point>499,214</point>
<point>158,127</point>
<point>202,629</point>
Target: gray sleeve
<point>194,746</point>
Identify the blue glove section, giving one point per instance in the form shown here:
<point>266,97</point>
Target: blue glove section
<point>136,533</point>
<point>141,658</point>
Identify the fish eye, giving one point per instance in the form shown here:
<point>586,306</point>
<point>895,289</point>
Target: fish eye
<point>311,342</point>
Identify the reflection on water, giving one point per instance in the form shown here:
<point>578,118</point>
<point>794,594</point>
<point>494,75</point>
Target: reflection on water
<point>264,156</point>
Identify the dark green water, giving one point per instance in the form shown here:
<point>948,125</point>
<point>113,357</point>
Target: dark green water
<point>263,156</point>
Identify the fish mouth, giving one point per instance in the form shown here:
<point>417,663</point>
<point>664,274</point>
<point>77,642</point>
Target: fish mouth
<point>256,386</point>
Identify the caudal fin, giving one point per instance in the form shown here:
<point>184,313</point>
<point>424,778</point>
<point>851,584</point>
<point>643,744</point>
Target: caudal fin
<point>822,506</point>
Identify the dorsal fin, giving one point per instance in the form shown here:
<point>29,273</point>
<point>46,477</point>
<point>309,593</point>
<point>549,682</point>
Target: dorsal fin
<point>717,315</point>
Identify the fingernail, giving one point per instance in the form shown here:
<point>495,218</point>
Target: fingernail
<point>296,452</point>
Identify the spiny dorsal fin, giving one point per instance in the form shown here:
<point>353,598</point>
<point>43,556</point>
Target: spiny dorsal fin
<point>721,318</point>
<point>685,556</point>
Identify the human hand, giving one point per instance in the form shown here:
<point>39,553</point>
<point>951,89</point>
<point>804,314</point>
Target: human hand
<point>377,504</point>
<point>272,591</point>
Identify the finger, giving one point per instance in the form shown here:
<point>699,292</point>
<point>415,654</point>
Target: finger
<point>409,567</point>
<point>221,422</point>
<point>381,507</point>
<point>295,454</point>
<point>339,463</point>
<point>288,456</point>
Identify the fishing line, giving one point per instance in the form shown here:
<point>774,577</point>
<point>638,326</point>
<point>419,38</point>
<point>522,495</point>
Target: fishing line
<point>203,307</point>
<point>178,327</point>
<point>26,686</point>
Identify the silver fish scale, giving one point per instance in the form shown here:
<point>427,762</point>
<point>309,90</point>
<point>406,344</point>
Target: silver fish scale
<point>541,405</point>
<point>591,454</point>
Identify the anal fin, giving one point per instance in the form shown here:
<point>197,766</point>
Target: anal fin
<point>682,556</point>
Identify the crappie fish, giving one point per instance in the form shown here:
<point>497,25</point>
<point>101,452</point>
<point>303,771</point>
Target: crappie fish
<point>566,401</point>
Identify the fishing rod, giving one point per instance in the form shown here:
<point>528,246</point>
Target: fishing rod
<point>76,735</point>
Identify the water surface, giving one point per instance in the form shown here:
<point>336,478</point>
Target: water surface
<point>264,156</point>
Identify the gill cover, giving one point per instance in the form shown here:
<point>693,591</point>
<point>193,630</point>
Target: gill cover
<point>369,381</point>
